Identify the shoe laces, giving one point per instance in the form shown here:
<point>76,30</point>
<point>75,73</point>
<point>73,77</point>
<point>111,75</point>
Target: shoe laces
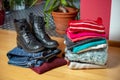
<point>27,35</point>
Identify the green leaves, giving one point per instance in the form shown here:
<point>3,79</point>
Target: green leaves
<point>51,5</point>
<point>29,3</point>
<point>32,2</point>
<point>64,3</point>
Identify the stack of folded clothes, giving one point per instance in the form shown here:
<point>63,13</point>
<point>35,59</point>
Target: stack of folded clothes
<point>20,57</point>
<point>39,62</point>
<point>86,45</point>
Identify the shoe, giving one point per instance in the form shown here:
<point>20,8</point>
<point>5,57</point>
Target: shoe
<point>25,38</point>
<point>38,27</point>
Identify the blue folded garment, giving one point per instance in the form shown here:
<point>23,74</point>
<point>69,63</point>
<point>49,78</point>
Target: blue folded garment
<point>19,57</point>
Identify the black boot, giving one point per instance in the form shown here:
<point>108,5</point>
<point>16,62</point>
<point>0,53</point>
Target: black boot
<point>25,38</point>
<point>38,26</point>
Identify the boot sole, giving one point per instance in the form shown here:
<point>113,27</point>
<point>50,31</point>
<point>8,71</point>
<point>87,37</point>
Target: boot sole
<point>55,46</point>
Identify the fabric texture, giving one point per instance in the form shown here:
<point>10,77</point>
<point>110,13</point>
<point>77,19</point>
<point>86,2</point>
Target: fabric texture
<point>98,56</point>
<point>93,48</point>
<point>57,62</point>
<point>82,34</point>
<point>21,58</point>
<point>87,45</point>
<point>69,44</point>
<point>83,38</point>
<point>78,65</point>
<point>86,25</point>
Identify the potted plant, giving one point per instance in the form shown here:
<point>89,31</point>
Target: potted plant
<point>62,12</point>
<point>21,4</point>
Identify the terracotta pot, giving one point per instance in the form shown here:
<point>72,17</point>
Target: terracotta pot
<point>61,19</point>
<point>60,31</point>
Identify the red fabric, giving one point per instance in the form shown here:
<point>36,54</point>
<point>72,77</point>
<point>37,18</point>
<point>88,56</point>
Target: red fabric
<point>2,17</point>
<point>57,62</point>
<point>76,26</point>
<point>82,34</point>
<point>84,29</point>
<point>83,38</point>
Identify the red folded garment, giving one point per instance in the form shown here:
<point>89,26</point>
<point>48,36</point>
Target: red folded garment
<point>86,25</point>
<point>82,34</point>
<point>57,62</point>
<point>83,38</point>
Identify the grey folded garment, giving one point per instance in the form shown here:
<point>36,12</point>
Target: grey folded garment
<point>71,44</point>
<point>78,65</point>
<point>98,56</point>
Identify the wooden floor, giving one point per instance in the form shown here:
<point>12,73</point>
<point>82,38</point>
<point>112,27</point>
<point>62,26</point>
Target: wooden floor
<point>9,72</point>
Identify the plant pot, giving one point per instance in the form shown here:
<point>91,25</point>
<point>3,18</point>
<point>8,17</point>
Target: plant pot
<point>60,31</point>
<point>61,19</point>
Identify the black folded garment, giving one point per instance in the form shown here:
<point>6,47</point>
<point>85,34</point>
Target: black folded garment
<point>70,44</point>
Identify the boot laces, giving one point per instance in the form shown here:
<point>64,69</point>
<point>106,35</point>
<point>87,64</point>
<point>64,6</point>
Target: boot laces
<point>27,35</point>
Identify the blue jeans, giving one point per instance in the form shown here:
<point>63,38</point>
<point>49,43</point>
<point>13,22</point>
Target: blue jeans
<point>21,58</point>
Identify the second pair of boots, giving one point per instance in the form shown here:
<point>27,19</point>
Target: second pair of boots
<point>31,36</point>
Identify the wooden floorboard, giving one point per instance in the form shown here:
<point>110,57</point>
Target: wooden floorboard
<point>9,72</point>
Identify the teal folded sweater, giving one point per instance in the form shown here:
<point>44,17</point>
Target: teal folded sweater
<point>87,45</point>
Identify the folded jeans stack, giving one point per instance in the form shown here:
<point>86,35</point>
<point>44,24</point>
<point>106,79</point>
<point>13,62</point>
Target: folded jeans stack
<point>86,45</point>
<point>19,57</point>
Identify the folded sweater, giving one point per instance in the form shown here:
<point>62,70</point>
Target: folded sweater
<point>71,44</point>
<point>78,65</point>
<point>98,56</point>
<point>86,25</point>
<point>77,49</point>
<point>57,62</point>
<point>82,34</point>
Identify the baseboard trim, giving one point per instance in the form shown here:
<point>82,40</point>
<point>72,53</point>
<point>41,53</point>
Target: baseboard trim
<point>114,43</point>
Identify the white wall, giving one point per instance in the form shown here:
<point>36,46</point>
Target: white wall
<point>115,21</point>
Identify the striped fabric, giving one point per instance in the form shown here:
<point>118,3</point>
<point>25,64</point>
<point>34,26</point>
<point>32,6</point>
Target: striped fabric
<point>86,25</point>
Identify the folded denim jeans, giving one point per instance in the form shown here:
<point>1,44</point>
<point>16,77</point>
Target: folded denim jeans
<point>21,58</point>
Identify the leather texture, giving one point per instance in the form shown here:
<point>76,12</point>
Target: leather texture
<point>25,38</point>
<point>38,27</point>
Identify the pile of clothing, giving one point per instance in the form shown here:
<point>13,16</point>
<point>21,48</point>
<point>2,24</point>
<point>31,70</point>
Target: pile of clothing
<point>40,62</point>
<point>35,49</point>
<point>86,44</point>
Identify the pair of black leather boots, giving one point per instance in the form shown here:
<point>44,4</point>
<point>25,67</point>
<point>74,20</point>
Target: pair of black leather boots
<point>31,36</point>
